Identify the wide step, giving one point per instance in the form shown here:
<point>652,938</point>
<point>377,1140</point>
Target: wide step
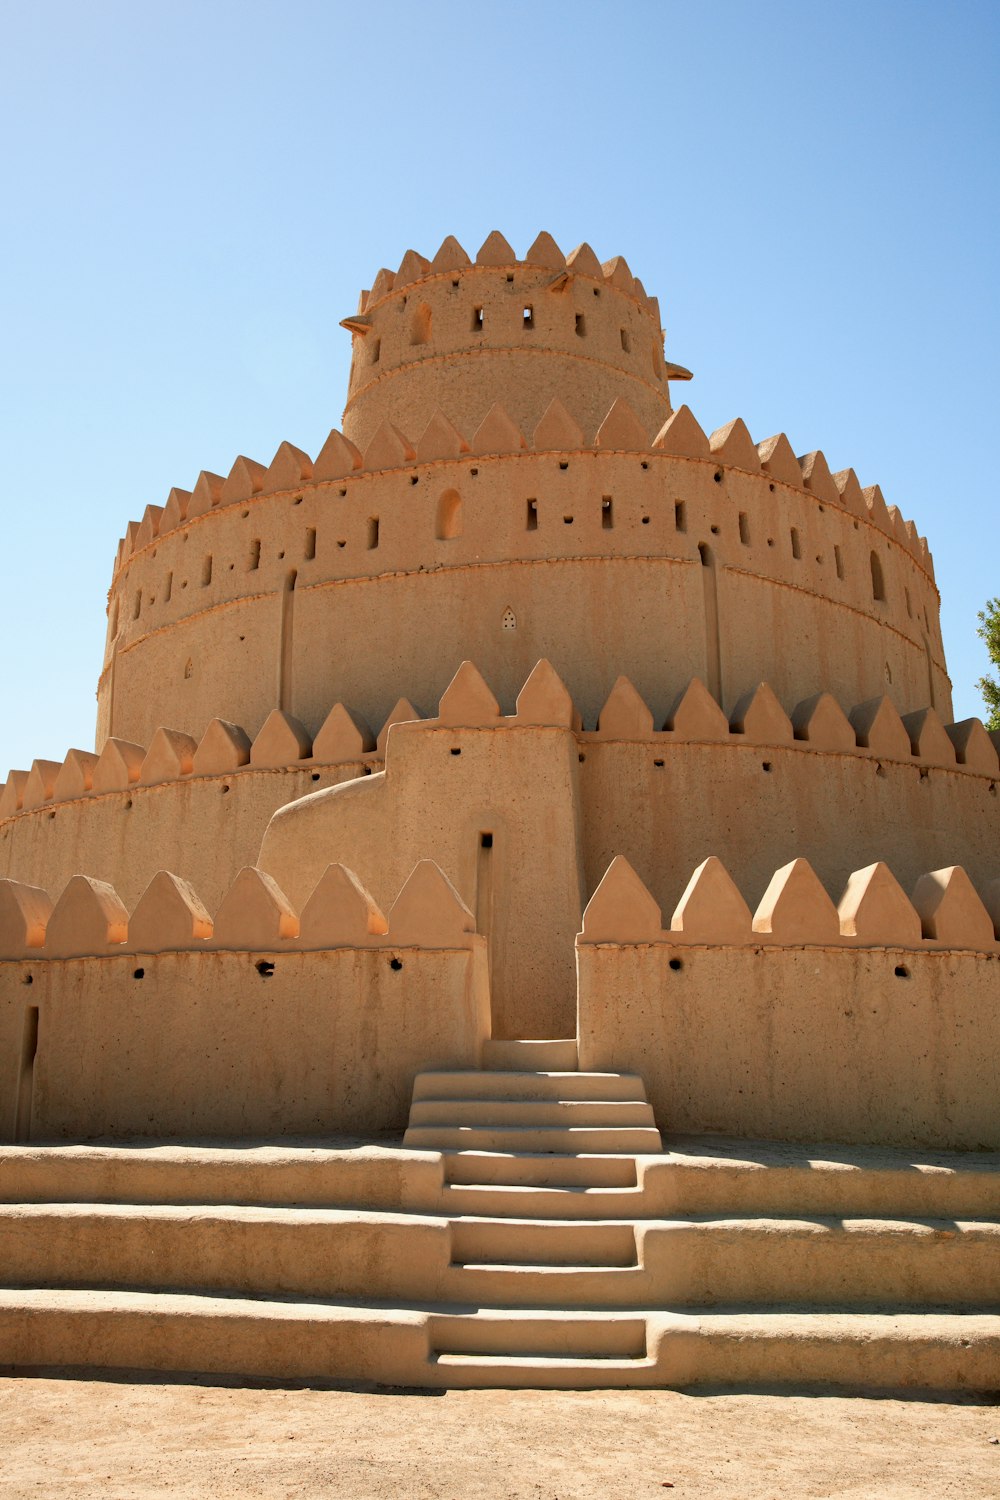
<point>483,1168</point>
<point>489,1113</point>
<point>568,1140</point>
<point>553,1335</point>
<point>523,1242</point>
<point>474,1084</point>
<point>539,1372</point>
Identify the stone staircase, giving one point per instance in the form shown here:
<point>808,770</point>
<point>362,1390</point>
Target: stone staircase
<point>531,1232</point>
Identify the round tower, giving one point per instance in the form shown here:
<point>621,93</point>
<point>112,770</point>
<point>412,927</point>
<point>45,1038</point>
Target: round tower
<point>454,336</point>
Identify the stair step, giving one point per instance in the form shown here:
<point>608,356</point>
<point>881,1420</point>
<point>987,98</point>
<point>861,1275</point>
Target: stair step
<point>490,1113</point>
<point>563,1140</point>
<point>495,1168</point>
<point>567,1287</point>
<point>476,1084</point>
<point>520,1242</point>
<point>503,1200</point>
<point>549,1334</point>
<point>531,1057</point>
<point>539,1372</point>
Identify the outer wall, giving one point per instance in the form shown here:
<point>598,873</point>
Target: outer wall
<point>597,590</point>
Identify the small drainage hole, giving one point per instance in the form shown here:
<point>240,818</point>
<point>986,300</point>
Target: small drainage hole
<point>675,964</point>
<point>138,973</point>
<point>396,963</point>
<point>901,971</point>
<point>265,968</point>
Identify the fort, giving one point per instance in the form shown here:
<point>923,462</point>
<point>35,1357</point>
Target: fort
<point>529,917</point>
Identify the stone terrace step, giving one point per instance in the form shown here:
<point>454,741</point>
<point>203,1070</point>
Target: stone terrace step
<point>567,1140</point>
<point>476,1084</point>
<point>539,1372</point>
<point>519,1242</point>
<point>485,1168</point>
<point>531,1057</point>
<point>490,1113</point>
<point>591,1335</point>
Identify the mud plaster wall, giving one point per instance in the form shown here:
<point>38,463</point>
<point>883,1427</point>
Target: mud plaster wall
<point>802,1043</point>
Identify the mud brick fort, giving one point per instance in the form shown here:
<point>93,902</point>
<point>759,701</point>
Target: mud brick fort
<point>529,917</point>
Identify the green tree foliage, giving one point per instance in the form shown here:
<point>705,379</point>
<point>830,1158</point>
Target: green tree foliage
<point>989,630</point>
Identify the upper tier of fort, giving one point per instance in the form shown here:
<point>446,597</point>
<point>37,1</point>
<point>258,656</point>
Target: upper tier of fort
<point>511,483</point>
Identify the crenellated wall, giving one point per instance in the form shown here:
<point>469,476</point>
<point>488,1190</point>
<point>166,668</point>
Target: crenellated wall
<point>878,1022</point>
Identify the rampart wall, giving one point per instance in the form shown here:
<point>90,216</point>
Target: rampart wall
<point>685,556</point>
<point>262,1022</point>
<point>877,1023</point>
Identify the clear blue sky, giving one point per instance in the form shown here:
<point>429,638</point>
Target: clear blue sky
<point>195,192</point>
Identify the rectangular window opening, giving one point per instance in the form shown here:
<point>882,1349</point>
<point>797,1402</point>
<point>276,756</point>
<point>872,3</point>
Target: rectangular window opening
<point>486,841</point>
<point>376,350</point>
<point>254,562</point>
<point>744,528</point>
<point>625,340</point>
<point>838,561</point>
<point>581,326</point>
<point>206,570</point>
<point>168,588</point>
<point>137,606</point>
<point>372,533</point>
<point>796,545</point>
<point>477,320</point>
<point>680,516</point>
<point>529,317</point>
<point>310,547</point>
<point>607,513</point>
<point>531,522</point>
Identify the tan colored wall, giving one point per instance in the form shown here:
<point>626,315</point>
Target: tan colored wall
<point>839,811</point>
<point>519,786</point>
<point>203,828</point>
<point>366,625</point>
<point>802,1043</point>
<point>203,1045</point>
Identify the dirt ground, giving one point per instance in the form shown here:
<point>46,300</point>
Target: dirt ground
<point>119,1438</point>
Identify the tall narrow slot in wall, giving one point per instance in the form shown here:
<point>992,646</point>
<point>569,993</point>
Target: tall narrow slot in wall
<point>713,649</point>
<point>484,893</point>
<point>26,1075</point>
<point>286,644</point>
<point>930,672</point>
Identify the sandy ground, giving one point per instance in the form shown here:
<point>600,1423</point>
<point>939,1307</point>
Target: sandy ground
<point>115,1439</point>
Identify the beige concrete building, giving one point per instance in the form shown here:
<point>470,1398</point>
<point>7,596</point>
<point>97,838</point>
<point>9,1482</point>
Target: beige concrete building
<point>573,790</point>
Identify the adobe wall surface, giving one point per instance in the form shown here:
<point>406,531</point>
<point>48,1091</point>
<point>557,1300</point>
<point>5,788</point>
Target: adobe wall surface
<point>628,561</point>
<point>802,1043</point>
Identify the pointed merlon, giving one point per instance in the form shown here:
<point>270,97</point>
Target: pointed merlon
<point>682,436</point>
<point>621,430</point>
<point>877,510</point>
<point>207,494</point>
<point>440,439</point>
<point>795,908</point>
<point>149,527</point>
<point>450,257</point>
<point>495,251</point>
<point>583,262</point>
<point>12,796</point>
<point>497,433</point>
<point>950,910</point>
<point>760,718</point>
<point>616,273</point>
<point>973,747</point>
<point>89,918</point>
<point>381,286</point>
<point>170,755</point>
<point>282,741</point>
<point>899,526</point>
<point>41,783</point>
<point>622,909</point>
<point>76,775</point>
<point>389,448</point>
<point>340,913</point>
<point>545,252</point>
<point>429,912</point>
<point>413,267</point>
<point>337,457</point>
<point>695,715</point>
<point>626,714</point>
<point>255,913</point>
<point>343,736</point>
<point>467,700</point>
<point>289,467</point>
<point>777,459</point>
<point>118,765</point>
<point>822,723</point>
<point>928,740</point>
<point>817,478</point>
<point>222,748</point>
<point>849,489</point>
<point>732,444</point>
<point>877,911</point>
<point>557,431</point>
<point>402,712</point>
<point>131,532</point>
<point>176,509</point>
<point>544,699</point>
<point>712,909</point>
<point>169,916</point>
<point>246,478</point>
<point>878,728</point>
<point>24,915</point>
